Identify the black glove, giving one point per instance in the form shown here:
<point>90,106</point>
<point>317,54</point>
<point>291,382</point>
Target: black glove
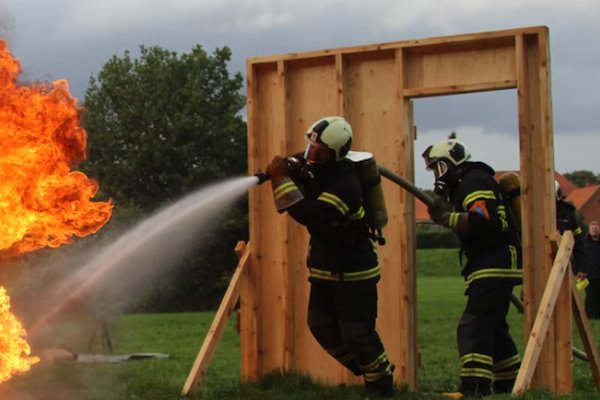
<point>438,213</point>
<point>277,169</point>
<point>297,169</point>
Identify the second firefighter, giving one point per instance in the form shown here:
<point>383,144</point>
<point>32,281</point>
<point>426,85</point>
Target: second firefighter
<point>488,355</point>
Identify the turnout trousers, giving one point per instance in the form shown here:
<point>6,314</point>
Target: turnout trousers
<point>341,317</point>
<point>592,299</point>
<point>488,354</point>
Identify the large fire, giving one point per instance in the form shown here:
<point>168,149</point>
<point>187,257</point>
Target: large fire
<point>42,202</point>
<point>14,350</point>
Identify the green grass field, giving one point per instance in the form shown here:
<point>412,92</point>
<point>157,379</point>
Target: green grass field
<point>440,303</point>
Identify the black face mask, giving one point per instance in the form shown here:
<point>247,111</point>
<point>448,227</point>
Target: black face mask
<point>443,184</point>
<point>440,188</point>
<point>440,171</point>
<point>298,169</point>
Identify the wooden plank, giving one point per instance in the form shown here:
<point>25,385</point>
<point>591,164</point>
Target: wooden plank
<point>265,259</point>
<point>563,333</point>
<point>339,80</point>
<point>375,110</point>
<point>474,65</point>
<point>213,336</point>
<point>488,37</point>
<point>544,314</point>
<point>409,275</point>
<point>256,196</point>
<point>286,291</point>
<point>586,333</point>
<point>563,348</point>
<point>402,215</point>
<point>370,100</point>
<point>529,300</point>
<point>312,93</point>
<point>540,53</point>
<point>459,89</point>
<point>537,199</point>
<point>273,256</point>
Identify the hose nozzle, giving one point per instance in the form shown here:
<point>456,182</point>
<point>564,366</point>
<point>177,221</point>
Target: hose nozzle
<point>294,167</point>
<point>262,177</point>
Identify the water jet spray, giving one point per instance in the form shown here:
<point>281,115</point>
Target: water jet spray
<point>147,249</point>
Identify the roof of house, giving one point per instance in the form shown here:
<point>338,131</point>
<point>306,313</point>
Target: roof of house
<point>581,196</point>
<point>566,185</point>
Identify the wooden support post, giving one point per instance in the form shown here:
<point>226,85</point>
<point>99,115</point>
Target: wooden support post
<point>585,331</point>
<point>217,327</point>
<point>544,314</point>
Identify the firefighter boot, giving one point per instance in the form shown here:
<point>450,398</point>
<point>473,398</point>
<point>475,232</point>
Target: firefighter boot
<point>504,386</point>
<point>383,387</point>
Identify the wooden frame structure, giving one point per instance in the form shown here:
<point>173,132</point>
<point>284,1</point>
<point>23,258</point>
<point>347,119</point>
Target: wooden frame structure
<point>372,87</point>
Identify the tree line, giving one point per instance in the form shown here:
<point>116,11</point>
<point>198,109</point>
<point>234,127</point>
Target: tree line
<point>583,178</point>
<point>160,126</point>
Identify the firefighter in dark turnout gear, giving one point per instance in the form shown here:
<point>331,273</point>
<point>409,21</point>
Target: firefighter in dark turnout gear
<point>566,220</point>
<point>592,250</point>
<point>488,354</point>
<point>342,260</point>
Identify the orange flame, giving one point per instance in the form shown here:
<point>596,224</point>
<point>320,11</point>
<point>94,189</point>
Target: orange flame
<point>42,202</point>
<point>14,350</point>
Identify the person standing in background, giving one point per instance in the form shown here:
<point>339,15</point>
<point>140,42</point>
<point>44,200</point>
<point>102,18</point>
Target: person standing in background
<point>592,255</point>
<point>566,220</point>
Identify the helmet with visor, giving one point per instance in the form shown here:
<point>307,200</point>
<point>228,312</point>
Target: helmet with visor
<point>329,140</point>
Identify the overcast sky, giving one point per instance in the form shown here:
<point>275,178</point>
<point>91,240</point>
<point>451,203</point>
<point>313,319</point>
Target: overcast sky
<point>73,39</point>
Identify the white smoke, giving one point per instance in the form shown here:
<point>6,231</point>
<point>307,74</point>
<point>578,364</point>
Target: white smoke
<point>7,24</point>
<point>147,251</point>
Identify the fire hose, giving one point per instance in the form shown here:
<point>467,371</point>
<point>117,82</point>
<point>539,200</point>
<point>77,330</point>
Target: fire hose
<point>429,202</point>
<point>407,185</point>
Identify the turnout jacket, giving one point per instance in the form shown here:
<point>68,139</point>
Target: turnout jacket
<point>592,250</point>
<point>566,220</point>
<point>332,210</point>
<point>490,244</point>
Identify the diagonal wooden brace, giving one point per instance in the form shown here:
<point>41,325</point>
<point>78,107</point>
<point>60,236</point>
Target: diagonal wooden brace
<point>540,326</point>
<point>219,322</point>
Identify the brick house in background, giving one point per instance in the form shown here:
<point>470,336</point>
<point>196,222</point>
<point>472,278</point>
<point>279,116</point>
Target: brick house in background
<point>587,202</point>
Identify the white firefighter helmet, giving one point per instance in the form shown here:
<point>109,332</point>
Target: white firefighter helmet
<point>557,190</point>
<point>329,139</point>
<point>443,158</point>
<point>451,152</point>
